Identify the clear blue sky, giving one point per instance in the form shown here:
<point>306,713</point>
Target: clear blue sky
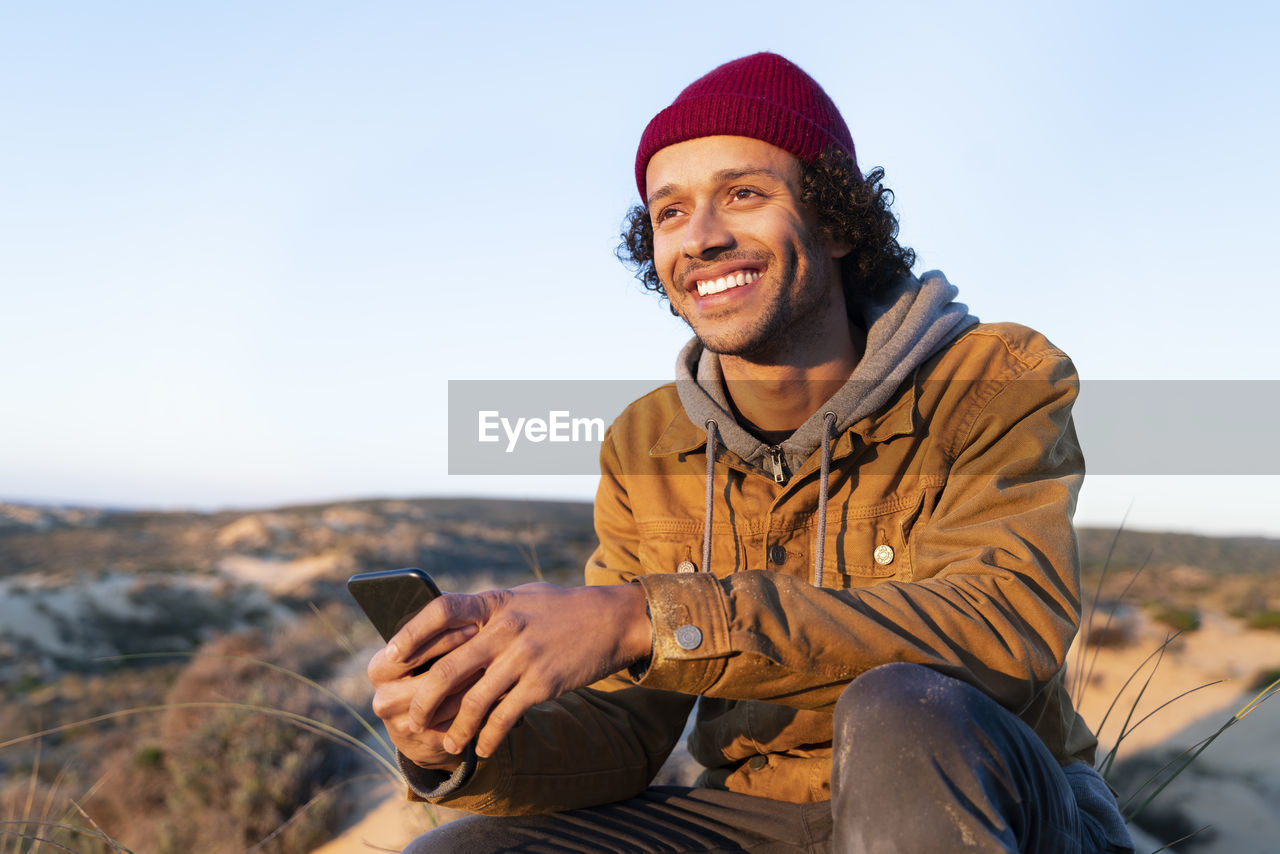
<point>243,246</point>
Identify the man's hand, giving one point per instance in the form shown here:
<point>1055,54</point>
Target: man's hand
<point>533,643</point>
<point>394,688</point>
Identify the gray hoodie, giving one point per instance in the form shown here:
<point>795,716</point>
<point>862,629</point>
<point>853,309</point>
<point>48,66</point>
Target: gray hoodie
<point>915,319</point>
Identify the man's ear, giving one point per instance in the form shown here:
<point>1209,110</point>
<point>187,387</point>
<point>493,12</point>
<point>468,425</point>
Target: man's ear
<point>839,250</point>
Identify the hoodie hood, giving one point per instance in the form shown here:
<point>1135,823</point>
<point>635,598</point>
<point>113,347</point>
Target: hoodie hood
<point>910,323</point>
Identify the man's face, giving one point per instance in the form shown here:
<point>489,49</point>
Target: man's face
<point>738,254</point>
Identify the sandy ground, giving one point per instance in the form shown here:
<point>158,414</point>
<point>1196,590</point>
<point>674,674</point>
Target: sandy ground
<point>281,577</point>
<point>1235,787</point>
<point>1221,649</point>
<point>385,821</point>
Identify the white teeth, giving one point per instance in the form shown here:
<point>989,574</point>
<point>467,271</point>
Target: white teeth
<point>733,280</point>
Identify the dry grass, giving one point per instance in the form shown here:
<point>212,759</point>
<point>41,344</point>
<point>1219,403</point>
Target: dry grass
<point>246,751</point>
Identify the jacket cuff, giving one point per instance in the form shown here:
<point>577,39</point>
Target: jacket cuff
<point>428,785</point>
<point>690,632</point>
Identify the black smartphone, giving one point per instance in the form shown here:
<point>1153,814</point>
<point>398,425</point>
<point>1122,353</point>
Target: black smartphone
<point>390,597</point>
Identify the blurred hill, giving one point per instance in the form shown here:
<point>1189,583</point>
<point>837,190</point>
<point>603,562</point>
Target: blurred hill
<point>455,536</point>
<point>1218,555</point>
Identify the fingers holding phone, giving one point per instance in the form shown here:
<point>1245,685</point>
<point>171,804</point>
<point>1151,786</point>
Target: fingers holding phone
<point>391,599</point>
<point>424,746</point>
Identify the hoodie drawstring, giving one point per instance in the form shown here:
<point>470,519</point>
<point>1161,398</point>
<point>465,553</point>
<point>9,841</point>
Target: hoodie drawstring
<point>828,433</point>
<point>712,435</point>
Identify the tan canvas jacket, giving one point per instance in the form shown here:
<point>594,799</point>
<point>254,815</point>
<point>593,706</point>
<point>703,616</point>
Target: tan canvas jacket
<point>949,544</point>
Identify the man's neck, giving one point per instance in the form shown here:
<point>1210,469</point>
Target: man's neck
<point>781,397</point>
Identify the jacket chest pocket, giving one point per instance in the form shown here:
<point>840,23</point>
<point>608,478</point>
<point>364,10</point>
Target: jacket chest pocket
<point>676,546</point>
<point>865,546</point>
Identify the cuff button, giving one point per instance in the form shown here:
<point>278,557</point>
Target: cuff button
<point>689,637</point>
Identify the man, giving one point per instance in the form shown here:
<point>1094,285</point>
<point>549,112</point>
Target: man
<point>846,528</point>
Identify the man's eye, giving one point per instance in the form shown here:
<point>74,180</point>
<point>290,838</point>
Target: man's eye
<point>665,214</point>
<point>741,193</point>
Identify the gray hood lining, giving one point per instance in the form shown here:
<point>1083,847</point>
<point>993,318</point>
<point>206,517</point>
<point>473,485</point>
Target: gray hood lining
<point>914,320</point>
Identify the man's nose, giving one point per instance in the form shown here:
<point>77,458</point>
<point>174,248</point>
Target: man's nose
<point>706,233</point>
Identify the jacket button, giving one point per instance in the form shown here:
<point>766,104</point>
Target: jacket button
<point>757,762</point>
<point>777,554</point>
<point>689,637</point>
<point>686,566</point>
<point>883,555</point>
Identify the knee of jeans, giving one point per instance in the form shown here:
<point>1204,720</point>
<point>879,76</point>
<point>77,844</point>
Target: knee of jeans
<point>897,697</point>
<point>462,834</point>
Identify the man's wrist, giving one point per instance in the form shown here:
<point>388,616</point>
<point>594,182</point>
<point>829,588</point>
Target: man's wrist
<point>637,637</point>
<point>447,767</point>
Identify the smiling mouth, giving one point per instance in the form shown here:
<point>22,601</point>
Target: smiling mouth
<point>734,280</point>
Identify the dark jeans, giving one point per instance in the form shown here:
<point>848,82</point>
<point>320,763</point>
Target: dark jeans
<point>922,763</point>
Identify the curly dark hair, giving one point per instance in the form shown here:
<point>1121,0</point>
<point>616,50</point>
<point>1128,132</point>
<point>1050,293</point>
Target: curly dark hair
<point>851,209</point>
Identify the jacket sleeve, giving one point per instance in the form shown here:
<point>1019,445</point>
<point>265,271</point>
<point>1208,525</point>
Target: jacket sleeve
<point>995,597</point>
<point>596,745</point>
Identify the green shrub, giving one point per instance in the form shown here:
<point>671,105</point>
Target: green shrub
<point>1178,618</point>
<point>1265,620</point>
<point>1263,679</point>
<point>27,682</point>
<point>149,756</point>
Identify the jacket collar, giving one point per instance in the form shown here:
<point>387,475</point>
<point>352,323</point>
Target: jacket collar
<point>682,436</point>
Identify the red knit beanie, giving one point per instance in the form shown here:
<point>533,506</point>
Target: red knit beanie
<point>762,96</point>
